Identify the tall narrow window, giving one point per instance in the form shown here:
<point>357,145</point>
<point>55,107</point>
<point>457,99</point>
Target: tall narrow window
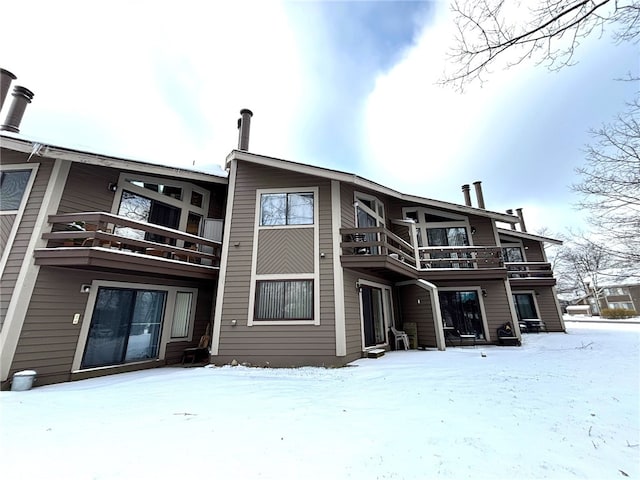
<point>13,184</point>
<point>181,315</point>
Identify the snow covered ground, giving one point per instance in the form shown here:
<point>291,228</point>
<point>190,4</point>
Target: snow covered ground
<point>563,406</point>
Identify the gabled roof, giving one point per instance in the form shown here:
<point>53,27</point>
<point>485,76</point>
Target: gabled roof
<point>528,236</point>
<point>364,183</point>
<point>19,143</point>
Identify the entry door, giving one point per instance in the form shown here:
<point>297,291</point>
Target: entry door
<point>373,316</point>
<point>125,327</point>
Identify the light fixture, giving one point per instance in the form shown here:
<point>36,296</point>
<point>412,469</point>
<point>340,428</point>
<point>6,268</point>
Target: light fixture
<point>113,187</point>
<point>321,254</point>
<point>484,292</point>
<point>85,288</point>
<point>473,230</point>
<point>234,322</point>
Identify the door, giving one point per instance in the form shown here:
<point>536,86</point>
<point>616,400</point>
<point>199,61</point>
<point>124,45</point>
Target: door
<point>373,316</point>
<point>125,327</point>
<point>461,312</point>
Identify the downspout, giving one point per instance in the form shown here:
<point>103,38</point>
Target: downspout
<point>435,308</point>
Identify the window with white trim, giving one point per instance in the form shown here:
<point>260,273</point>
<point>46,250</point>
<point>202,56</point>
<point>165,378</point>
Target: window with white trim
<point>284,300</point>
<point>181,315</point>
<point>13,184</point>
<point>295,208</point>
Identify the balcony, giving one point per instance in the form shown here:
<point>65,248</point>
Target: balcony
<point>377,248</point>
<point>103,241</point>
<point>523,274</point>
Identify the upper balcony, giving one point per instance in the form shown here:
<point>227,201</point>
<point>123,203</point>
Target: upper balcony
<point>379,250</point>
<point>105,241</point>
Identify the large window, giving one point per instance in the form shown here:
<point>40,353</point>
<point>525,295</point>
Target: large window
<point>461,312</point>
<point>13,184</point>
<point>125,327</point>
<point>286,209</point>
<point>284,300</point>
<point>525,306</point>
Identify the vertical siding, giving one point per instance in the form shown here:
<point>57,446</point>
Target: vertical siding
<point>26,227</point>
<point>48,340</point>
<point>279,345</point>
<point>419,313</point>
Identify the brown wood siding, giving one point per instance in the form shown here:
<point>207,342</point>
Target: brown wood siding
<point>6,224</point>
<point>533,250</point>
<point>496,303</point>
<point>546,307</point>
<point>87,189</point>
<point>419,313</point>
<point>48,340</point>
<point>353,325</point>
<point>26,227</point>
<point>282,345</point>
<point>347,209</point>
<point>484,236</point>
<point>285,251</point>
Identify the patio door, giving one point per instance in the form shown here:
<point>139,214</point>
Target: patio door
<point>125,327</point>
<point>373,316</point>
<point>461,312</point>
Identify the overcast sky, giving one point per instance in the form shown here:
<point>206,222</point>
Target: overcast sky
<point>344,85</point>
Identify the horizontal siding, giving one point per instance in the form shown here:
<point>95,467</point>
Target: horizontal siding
<point>533,250</point>
<point>419,313</point>
<point>48,340</point>
<point>6,224</point>
<point>25,229</point>
<point>260,344</point>
<point>87,189</point>
<point>287,250</point>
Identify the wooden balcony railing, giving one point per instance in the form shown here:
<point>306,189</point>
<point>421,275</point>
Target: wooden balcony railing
<point>377,241</point>
<point>105,230</point>
<point>529,270</point>
<point>460,257</point>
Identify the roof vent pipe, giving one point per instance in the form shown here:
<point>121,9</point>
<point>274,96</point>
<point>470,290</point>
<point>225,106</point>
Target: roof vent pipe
<point>21,97</point>
<point>467,195</point>
<point>244,125</point>
<point>510,212</point>
<point>478,186</point>
<point>6,77</point>
<point>523,227</point>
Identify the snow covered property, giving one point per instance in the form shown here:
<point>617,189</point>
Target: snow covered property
<point>562,406</point>
<point>112,265</point>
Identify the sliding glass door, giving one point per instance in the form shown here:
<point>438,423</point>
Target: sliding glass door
<point>125,327</point>
<point>373,316</point>
<point>461,312</point>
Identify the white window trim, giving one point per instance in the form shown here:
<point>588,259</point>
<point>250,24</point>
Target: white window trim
<point>387,311</point>
<point>124,183</point>
<point>19,213</point>
<point>535,302</point>
<point>315,275</point>
<point>455,222</point>
<point>358,197</point>
<point>478,290</point>
<point>516,244</point>
<point>167,318</point>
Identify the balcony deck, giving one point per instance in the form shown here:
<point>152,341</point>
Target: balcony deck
<point>103,241</point>
<point>378,250</point>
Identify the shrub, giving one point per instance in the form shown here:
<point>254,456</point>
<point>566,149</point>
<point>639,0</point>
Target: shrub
<point>617,313</point>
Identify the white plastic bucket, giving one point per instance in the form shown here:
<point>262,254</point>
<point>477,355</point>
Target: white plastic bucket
<point>23,380</point>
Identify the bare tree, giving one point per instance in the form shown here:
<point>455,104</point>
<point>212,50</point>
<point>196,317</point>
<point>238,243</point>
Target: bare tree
<point>547,31</point>
<point>610,185</point>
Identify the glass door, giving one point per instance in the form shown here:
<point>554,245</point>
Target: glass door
<point>125,327</point>
<point>461,312</point>
<point>373,316</point>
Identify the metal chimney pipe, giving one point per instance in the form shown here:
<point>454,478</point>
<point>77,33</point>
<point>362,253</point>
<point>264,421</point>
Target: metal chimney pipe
<point>478,186</point>
<point>523,227</point>
<point>244,125</point>
<point>510,212</point>
<point>467,195</point>
<point>6,77</point>
<point>21,97</point>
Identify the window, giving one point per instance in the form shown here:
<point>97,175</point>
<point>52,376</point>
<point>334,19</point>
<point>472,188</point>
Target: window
<point>13,184</point>
<point>625,305</point>
<point>525,306</point>
<point>613,291</point>
<point>286,209</point>
<point>181,315</point>
<point>512,254</point>
<point>284,300</point>
<point>461,312</point>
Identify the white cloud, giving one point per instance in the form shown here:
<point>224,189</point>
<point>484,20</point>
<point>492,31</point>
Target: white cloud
<point>108,67</point>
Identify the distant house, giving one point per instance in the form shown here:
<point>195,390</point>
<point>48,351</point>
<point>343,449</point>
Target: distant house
<point>111,265</point>
<point>623,294</point>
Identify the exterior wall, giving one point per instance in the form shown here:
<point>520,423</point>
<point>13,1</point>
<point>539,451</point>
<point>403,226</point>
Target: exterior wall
<point>48,340</point>
<point>534,251</point>
<point>275,345</point>
<point>545,300</point>
<point>87,189</point>
<point>485,234</point>
<point>285,251</point>
<point>25,228</point>
<point>420,313</point>
<point>496,303</point>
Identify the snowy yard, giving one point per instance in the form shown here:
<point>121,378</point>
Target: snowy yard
<point>562,406</point>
